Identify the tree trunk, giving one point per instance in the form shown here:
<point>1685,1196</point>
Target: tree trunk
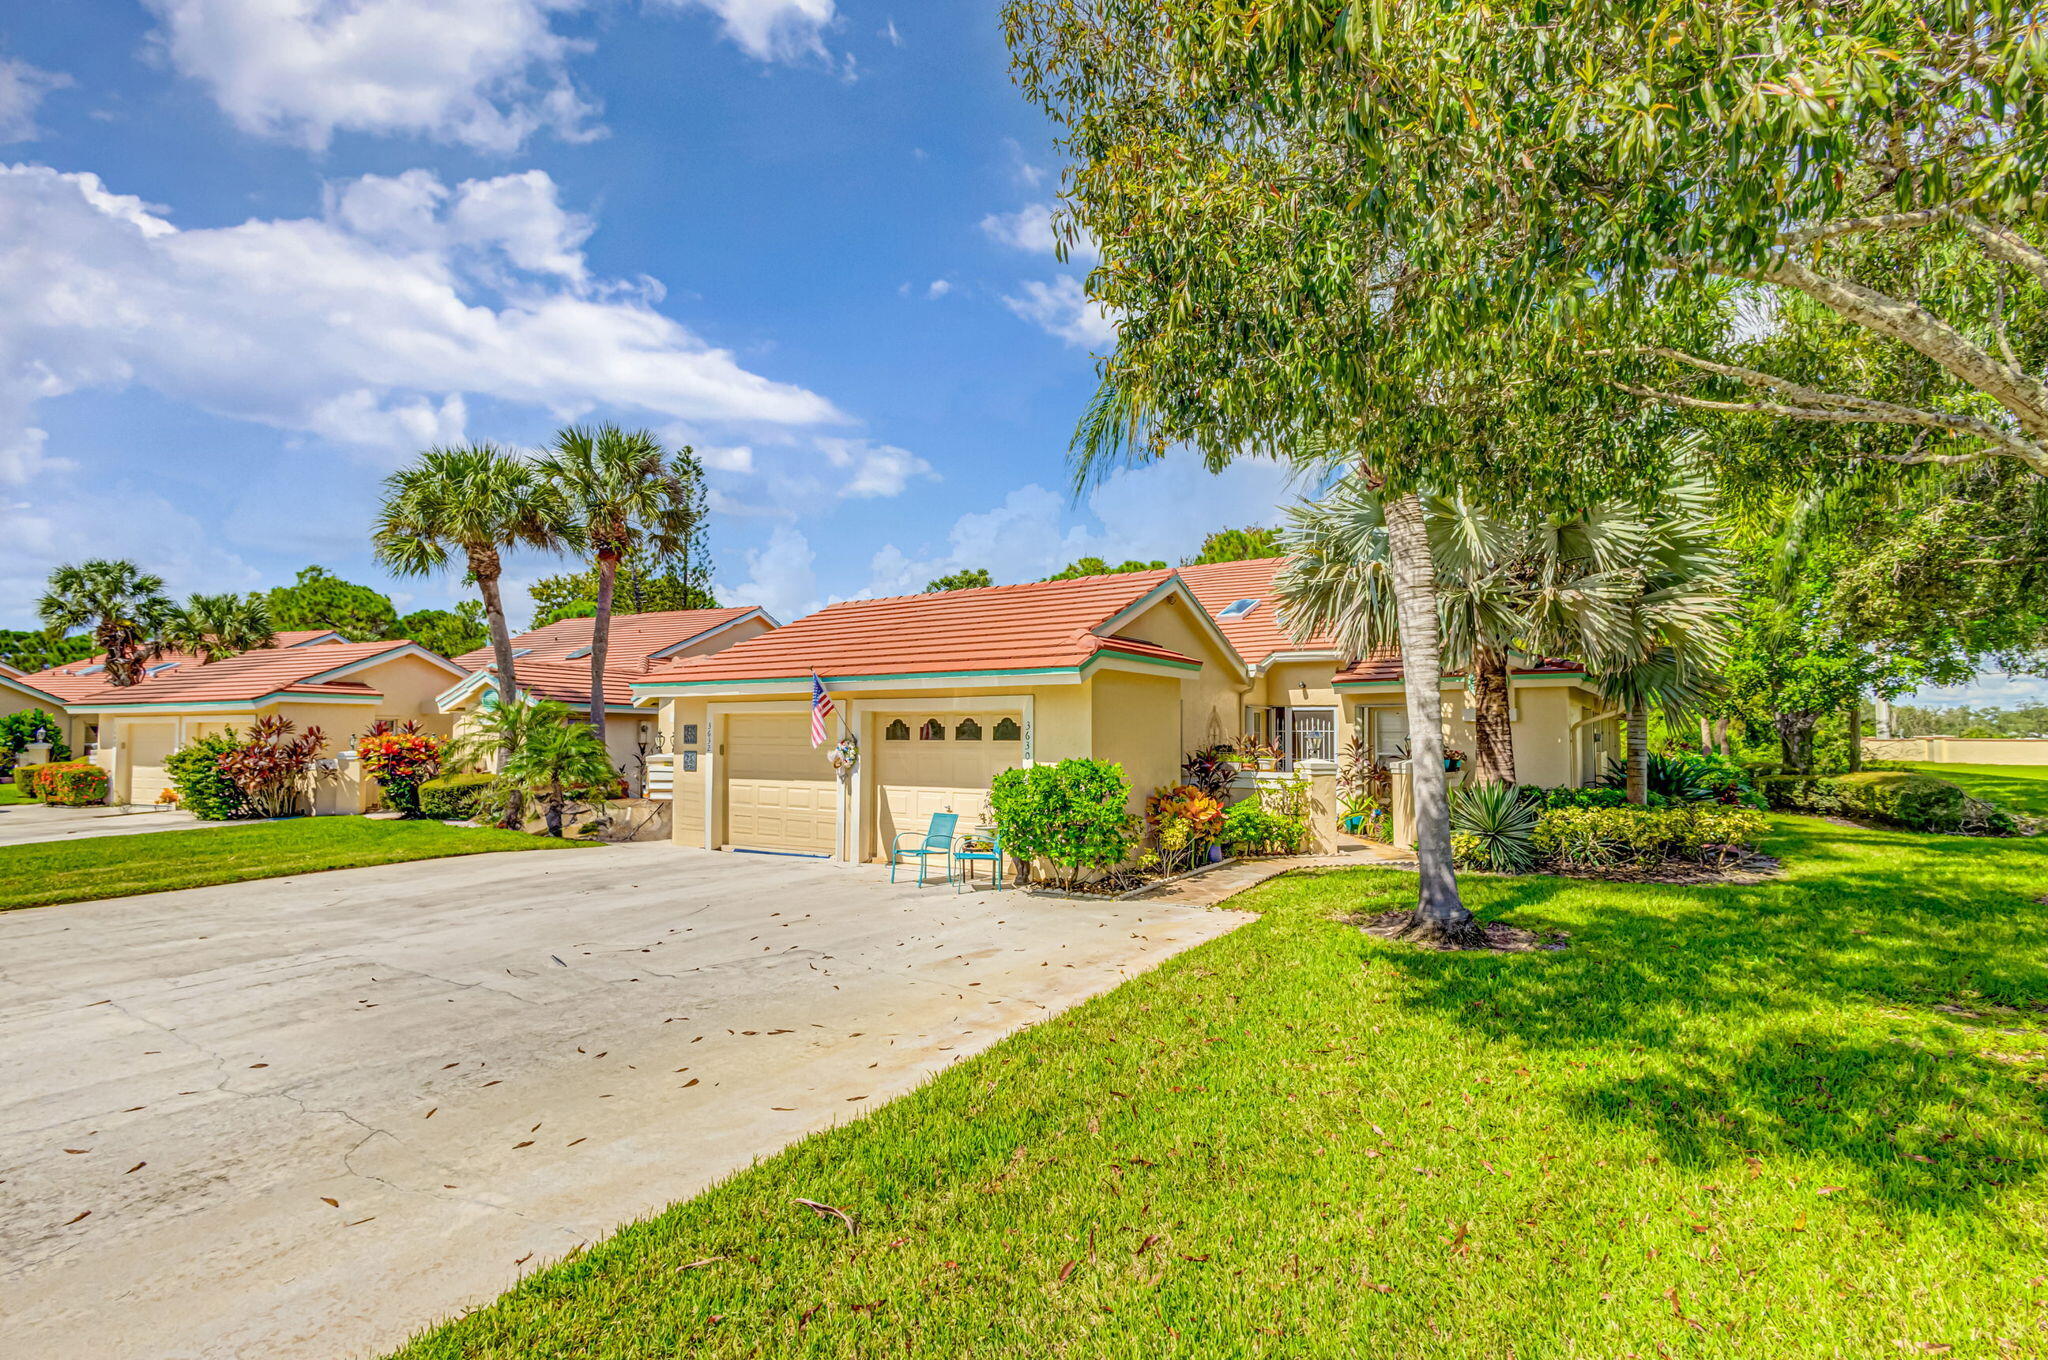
<point>487,566</point>
<point>1721,738</point>
<point>601,636</point>
<point>1639,753</point>
<point>1795,741</point>
<point>1855,716</point>
<point>1440,917</point>
<point>1884,716</point>
<point>1493,756</point>
<point>552,812</point>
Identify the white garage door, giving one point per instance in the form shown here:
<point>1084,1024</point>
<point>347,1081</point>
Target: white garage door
<point>930,764</point>
<point>148,744</point>
<point>780,792</point>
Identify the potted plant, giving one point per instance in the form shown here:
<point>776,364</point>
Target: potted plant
<point>1454,759</point>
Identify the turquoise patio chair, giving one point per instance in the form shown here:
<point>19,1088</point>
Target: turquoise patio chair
<point>936,840</point>
<point>967,859</point>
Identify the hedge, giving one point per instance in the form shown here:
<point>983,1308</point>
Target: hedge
<point>25,780</point>
<point>203,791</point>
<point>1918,802</point>
<point>1599,838</point>
<point>76,783</point>
<point>454,797</point>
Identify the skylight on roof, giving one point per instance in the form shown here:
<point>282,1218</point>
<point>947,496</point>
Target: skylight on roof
<point>164,666</point>
<point>578,654</point>
<point>1237,609</point>
<point>94,669</point>
<point>521,651</point>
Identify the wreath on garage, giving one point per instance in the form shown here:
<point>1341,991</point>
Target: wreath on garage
<point>846,755</point>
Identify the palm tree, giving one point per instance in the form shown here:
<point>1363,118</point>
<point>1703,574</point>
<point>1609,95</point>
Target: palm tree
<point>477,500</point>
<point>630,499</point>
<point>560,759</point>
<point>1542,586</point>
<point>212,627</point>
<point>122,604</point>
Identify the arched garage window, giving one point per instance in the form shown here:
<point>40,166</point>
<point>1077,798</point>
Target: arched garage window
<point>933,730</point>
<point>968,730</point>
<point>897,731</point>
<point>1007,730</point>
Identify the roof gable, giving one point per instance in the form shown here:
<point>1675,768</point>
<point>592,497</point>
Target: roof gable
<point>296,669</point>
<point>1260,633</point>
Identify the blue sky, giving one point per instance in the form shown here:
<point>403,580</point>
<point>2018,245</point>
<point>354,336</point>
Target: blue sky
<point>258,252</point>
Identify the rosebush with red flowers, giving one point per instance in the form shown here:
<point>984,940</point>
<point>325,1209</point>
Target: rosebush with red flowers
<point>400,761</point>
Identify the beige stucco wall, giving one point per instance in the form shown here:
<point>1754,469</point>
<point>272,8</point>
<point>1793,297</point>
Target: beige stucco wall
<point>1959,750</point>
<point>1549,750</point>
<point>1138,724</point>
<point>1212,699</point>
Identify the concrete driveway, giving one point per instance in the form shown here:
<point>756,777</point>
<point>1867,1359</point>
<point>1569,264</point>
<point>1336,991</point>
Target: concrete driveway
<point>304,1117</point>
<point>25,823</point>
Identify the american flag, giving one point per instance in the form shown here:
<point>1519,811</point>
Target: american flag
<point>821,709</point>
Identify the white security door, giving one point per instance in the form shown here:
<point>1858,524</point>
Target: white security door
<point>148,745</point>
<point>1312,734</point>
<point>926,765</point>
<point>780,791</point>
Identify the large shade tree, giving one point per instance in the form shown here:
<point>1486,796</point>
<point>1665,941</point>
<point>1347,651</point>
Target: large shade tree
<point>1260,315</point>
<point>123,606</point>
<point>320,600</point>
<point>629,498</point>
<point>1605,169</point>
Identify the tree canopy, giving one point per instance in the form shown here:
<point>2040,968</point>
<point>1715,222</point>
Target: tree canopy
<point>1236,545</point>
<point>968,578</point>
<point>320,599</point>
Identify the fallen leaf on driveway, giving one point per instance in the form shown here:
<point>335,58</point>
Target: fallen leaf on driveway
<point>133,1169</point>
<point>330,1203</point>
<point>86,1214</point>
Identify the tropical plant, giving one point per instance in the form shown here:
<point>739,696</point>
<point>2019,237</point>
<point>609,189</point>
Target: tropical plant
<point>489,737</point>
<point>1211,770</point>
<point>319,600</point>
<point>561,761</point>
<point>72,783</point>
<point>203,788</point>
<point>123,605</point>
<point>477,501</point>
<point>1184,822</point>
<point>212,627</point>
<point>628,497</point>
<point>274,769</point>
<point>1073,814</point>
<point>1498,822</point>
<point>400,762</point>
<point>1677,777</point>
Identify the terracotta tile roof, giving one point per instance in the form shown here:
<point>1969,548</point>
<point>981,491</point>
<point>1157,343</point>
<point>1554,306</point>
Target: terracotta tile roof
<point>1045,624</point>
<point>550,670</point>
<point>1261,631</point>
<point>234,679</point>
<point>1386,667</point>
<point>71,680</point>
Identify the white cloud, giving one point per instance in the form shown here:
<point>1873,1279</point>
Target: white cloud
<point>888,31</point>
<point>1987,688</point>
<point>484,73</point>
<point>878,470</point>
<point>937,289</point>
<point>1029,229</point>
<point>1063,308</point>
<point>781,576</point>
<point>772,30</point>
<point>22,88</point>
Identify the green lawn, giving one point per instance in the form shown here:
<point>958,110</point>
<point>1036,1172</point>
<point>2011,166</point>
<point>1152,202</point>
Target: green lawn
<point>10,794</point>
<point>41,874</point>
<point>1803,1118</point>
<point>2023,788</point>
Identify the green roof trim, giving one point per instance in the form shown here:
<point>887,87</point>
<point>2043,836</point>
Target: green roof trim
<point>656,687</point>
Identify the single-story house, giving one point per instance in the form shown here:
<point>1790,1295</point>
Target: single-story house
<point>313,679</point>
<point>941,692</point>
<point>554,663</point>
<point>1311,701</point>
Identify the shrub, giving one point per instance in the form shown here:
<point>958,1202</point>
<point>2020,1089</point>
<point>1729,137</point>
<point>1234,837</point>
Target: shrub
<point>456,797</point>
<point>1600,838</point>
<point>400,762</point>
<point>1184,822</point>
<point>1593,796</point>
<point>1072,814</point>
<point>25,780</point>
<point>1497,821</point>
<point>72,783</point>
<point>17,730</point>
<point>203,790</point>
<point>1249,828</point>
<point>1687,777</point>
<point>273,769</point>
<point>1210,770</point>
<point>1917,802</point>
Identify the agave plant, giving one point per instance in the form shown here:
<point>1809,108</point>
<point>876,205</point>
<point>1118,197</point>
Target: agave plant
<point>1502,820</point>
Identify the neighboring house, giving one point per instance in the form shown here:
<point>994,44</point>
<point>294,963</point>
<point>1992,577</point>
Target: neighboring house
<point>1311,701</point>
<point>313,679</point>
<point>942,691</point>
<point>554,663</point>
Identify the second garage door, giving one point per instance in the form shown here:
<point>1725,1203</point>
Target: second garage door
<point>780,791</point>
<point>148,745</point>
<point>930,765</point>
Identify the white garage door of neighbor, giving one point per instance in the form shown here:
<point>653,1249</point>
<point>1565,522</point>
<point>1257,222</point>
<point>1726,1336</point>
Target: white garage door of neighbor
<point>928,765</point>
<point>148,744</point>
<point>780,791</point>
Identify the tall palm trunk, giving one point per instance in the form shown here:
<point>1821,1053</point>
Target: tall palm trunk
<point>601,634</point>
<point>1639,751</point>
<point>1439,914</point>
<point>1493,756</point>
<point>487,567</point>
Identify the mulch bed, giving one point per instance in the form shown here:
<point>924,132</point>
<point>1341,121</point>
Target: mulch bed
<point>1498,937</point>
